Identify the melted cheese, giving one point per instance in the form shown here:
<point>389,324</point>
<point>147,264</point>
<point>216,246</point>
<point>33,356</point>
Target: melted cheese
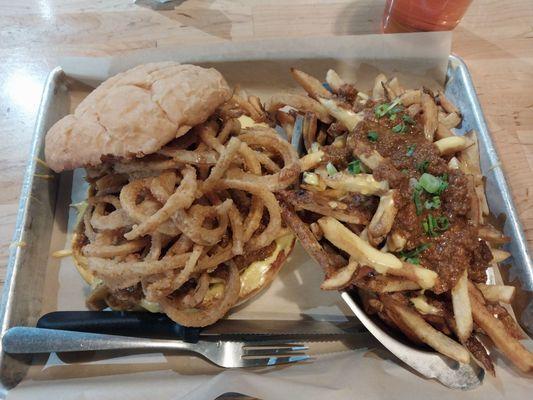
<point>253,276</point>
<point>247,122</point>
<point>423,306</point>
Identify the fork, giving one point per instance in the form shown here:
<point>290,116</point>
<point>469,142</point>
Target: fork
<point>227,354</point>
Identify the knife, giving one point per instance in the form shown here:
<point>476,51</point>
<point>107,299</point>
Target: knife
<point>144,324</point>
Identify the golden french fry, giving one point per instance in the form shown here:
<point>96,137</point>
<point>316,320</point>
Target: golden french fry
<point>443,132</point>
<point>411,97</point>
<point>386,284</point>
<point>429,116</point>
<point>395,87</point>
<point>423,307</point>
<point>495,329</point>
<point>497,293</point>
<point>414,109</point>
<point>451,145</point>
<point>311,160</point>
<point>287,123</point>
<point>448,106</point>
<point>310,84</point>
<point>299,102</point>
<point>360,183</point>
<point>500,255</point>
<point>461,308</point>
<point>347,117</point>
<point>378,92</point>
<point>383,218</point>
<point>334,80</point>
<point>429,335</point>
<point>396,242</point>
<point>492,235</point>
<point>365,254</point>
<point>450,121</point>
<point>341,278</point>
<point>370,157</point>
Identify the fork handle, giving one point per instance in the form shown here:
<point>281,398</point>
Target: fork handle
<point>25,340</point>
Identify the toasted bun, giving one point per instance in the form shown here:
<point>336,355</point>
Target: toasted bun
<point>250,286</point>
<point>135,113</point>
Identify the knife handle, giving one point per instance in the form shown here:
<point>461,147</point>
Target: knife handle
<point>125,323</point>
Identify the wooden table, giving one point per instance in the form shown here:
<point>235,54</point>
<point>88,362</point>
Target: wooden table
<point>495,38</point>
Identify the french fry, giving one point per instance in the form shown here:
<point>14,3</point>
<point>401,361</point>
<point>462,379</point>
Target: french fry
<point>461,308</point>
<point>397,89</point>
<point>500,255</point>
<point>451,145</point>
<point>311,160</point>
<point>365,254</point>
<point>347,117</point>
<point>429,335</point>
<point>299,102</point>
<point>341,278</point>
<point>396,242</point>
<point>334,80</point>
<point>495,329</point>
<point>497,293</point>
<point>386,284</point>
<point>492,235</point>
<point>383,218</point>
<point>378,92</point>
<point>429,116</point>
<point>310,84</point>
<point>371,158</point>
<point>443,132</point>
<point>478,351</point>
<point>450,121</point>
<point>287,123</point>
<point>309,129</point>
<point>410,97</point>
<point>361,183</point>
<point>423,307</point>
<point>448,106</point>
<point>414,109</point>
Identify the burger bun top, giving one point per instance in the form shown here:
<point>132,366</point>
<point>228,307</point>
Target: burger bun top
<point>135,113</point>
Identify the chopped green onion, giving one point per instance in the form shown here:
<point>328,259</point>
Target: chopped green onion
<point>405,171</point>
<point>417,200</point>
<point>430,183</point>
<point>372,136</point>
<point>400,128</point>
<point>354,167</point>
<point>407,119</point>
<point>384,109</point>
<point>412,255</point>
<point>432,204</point>
<point>443,223</point>
<point>411,150</point>
<point>434,226</point>
<point>330,169</point>
<point>423,166</point>
<point>392,117</point>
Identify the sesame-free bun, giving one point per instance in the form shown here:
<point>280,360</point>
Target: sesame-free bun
<point>135,113</point>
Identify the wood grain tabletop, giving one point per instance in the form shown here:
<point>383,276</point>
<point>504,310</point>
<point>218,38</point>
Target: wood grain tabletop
<point>495,39</point>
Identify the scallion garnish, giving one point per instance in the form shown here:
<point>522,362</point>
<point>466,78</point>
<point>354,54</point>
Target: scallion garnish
<point>372,136</point>
<point>412,255</point>
<point>408,120</point>
<point>435,226</point>
<point>417,192</point>
<point>330,169</point>
<point>400,128</point>
<point>411,150</point>
<point>432,204</point>
<point>422,166</point>
<point>354,167</point>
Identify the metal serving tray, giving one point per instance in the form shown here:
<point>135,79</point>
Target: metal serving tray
<point>23,290</point>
